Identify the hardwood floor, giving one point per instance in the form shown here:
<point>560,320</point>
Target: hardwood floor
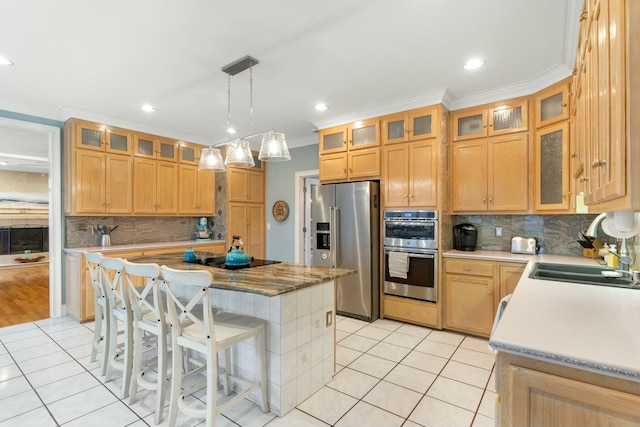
<point>24,294</point>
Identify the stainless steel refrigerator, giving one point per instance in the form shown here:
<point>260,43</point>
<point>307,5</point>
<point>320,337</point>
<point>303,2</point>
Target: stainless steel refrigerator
<point>345,233</point>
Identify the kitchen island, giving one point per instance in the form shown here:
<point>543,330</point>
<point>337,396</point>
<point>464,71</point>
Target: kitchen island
<point>298,304</point>
<point>568,353</point>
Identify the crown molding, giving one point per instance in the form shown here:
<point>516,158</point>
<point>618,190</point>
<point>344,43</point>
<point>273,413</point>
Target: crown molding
<point>67,112</point>
<point>29,111</point>
<point>539,82</point>
<point>400,104</point>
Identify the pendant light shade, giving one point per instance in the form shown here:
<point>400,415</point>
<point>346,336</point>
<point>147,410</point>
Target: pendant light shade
<point>274,147</point>
<point>239,154</point>
<point>210,158</point>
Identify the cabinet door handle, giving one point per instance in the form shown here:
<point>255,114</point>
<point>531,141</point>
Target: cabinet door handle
<point>490,125</point>
<point>584,178</point>
<point>484,200</point>
<point>467,268</point>
<point>344,170</point>
<point>350,170</point>
<point>597,163</point>
<point>574,155</point>
<point>490,199</point>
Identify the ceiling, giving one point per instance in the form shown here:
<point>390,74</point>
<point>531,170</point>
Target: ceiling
<point>102,60</point>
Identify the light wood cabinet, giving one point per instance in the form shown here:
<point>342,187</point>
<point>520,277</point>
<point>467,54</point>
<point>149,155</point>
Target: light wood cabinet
<point>494,119</point>
<point>350,152</point>
<point>609,94</point>
<point>469,295</point>
<point>552,190</point>
<point>103,183</point>
<point>540,393</point>
<point>491,174</point>
<point>552,104</point>
<point>93,136</point>
<point>245,185</point>
<point>196,191</point>
<point>412,311</point>
<point>247,220</point>
<point>189,153</point>
<point>508,277</point>
<point>155,190</point>
<point>153,147</point>
<point>413,125</point>
<point>472,291</point>
<point>410,174</point>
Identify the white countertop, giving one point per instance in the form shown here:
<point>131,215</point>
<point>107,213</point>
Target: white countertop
<point>596,328</point>
<point>135,246</point>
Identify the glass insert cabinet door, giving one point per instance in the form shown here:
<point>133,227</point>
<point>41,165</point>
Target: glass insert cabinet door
<point>413,125</point>
<point>93,136</point>
<point>552,168</point>
<point>497,119</point>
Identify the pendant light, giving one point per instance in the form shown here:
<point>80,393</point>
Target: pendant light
<point>210,158</point>
<point>274,146</point>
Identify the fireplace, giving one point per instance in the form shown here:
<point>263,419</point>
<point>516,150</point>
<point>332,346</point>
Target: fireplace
<point>17,240</point>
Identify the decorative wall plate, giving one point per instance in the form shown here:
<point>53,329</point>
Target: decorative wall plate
<point>280,210</point>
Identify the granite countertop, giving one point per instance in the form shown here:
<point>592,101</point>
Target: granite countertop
<point>269,280</point>
<point>582,326</point>
<point>135,246</point>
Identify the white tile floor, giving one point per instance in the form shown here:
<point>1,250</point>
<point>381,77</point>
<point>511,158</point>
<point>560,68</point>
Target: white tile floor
<point>389,374</point>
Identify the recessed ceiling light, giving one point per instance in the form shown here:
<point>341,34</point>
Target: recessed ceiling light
<point>5,61</point>
<point>148,108</point>
<point>321,106</point>
<point>473,63</point>
<point>231,131</point>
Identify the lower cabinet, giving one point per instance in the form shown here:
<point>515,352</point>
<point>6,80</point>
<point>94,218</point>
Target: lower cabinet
<point>411,311</point>
<point>79,293</point>
<point>472,291</point>
<point>536,393</point>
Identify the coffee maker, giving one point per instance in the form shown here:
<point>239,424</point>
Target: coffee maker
<point>465,237</point>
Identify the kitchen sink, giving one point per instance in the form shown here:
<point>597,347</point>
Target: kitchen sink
<point>589,275</point>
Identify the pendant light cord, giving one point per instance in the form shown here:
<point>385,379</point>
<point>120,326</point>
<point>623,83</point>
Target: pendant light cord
<point>251,99</point>
<point>228,104</point>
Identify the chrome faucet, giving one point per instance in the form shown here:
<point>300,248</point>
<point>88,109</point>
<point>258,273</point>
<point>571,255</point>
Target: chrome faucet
<point>623,256</point>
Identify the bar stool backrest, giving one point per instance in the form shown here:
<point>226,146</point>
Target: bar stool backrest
<point>197,310</point>
<point>146,298</point>
<point>113,283</point>
<point>94,264</point>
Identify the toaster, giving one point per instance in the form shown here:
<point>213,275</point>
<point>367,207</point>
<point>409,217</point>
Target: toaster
<point>524,245</point>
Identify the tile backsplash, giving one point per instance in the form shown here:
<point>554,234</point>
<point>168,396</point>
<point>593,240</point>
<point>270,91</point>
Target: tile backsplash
<point>556,234</point>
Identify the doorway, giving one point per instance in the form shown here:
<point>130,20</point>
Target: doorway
<point>50,136</point>
<point>302,239</point>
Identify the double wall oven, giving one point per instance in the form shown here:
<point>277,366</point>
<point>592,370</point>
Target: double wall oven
<point>411,254</point>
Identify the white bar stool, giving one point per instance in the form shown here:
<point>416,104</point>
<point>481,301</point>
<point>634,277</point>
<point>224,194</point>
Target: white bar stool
<point>194,327</point>
<point>148,318</point>
<point>101,309</point>
<point>120,355</point>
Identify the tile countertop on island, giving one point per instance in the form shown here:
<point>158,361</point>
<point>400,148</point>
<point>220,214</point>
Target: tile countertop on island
<point>269,280</point>
<point>596,328</point>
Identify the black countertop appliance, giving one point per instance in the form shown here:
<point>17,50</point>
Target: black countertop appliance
<point>465,237</point>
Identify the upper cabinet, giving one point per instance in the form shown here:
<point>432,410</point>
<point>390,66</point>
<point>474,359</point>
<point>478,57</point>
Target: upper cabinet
<point>350,152</point>
<point>92,136</point>
<point>421,123</point>
<point>552,104</point>
<point>552,189</point>
<point>153,147</point>
<point>108,170</point>
<point>358,135</point>
<point>410,174</point>
<point>491,174</point>
<point>495,119</point>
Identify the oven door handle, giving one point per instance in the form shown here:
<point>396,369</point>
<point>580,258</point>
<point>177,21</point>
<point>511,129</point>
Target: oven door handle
<point>427,256</point>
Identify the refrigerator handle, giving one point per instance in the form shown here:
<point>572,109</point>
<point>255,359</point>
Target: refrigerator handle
<point>332,236</point>
<point>336,237</point>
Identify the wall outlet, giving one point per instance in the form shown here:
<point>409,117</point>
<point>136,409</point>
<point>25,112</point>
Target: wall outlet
<point>498,231</point>
<point>329,321</point>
